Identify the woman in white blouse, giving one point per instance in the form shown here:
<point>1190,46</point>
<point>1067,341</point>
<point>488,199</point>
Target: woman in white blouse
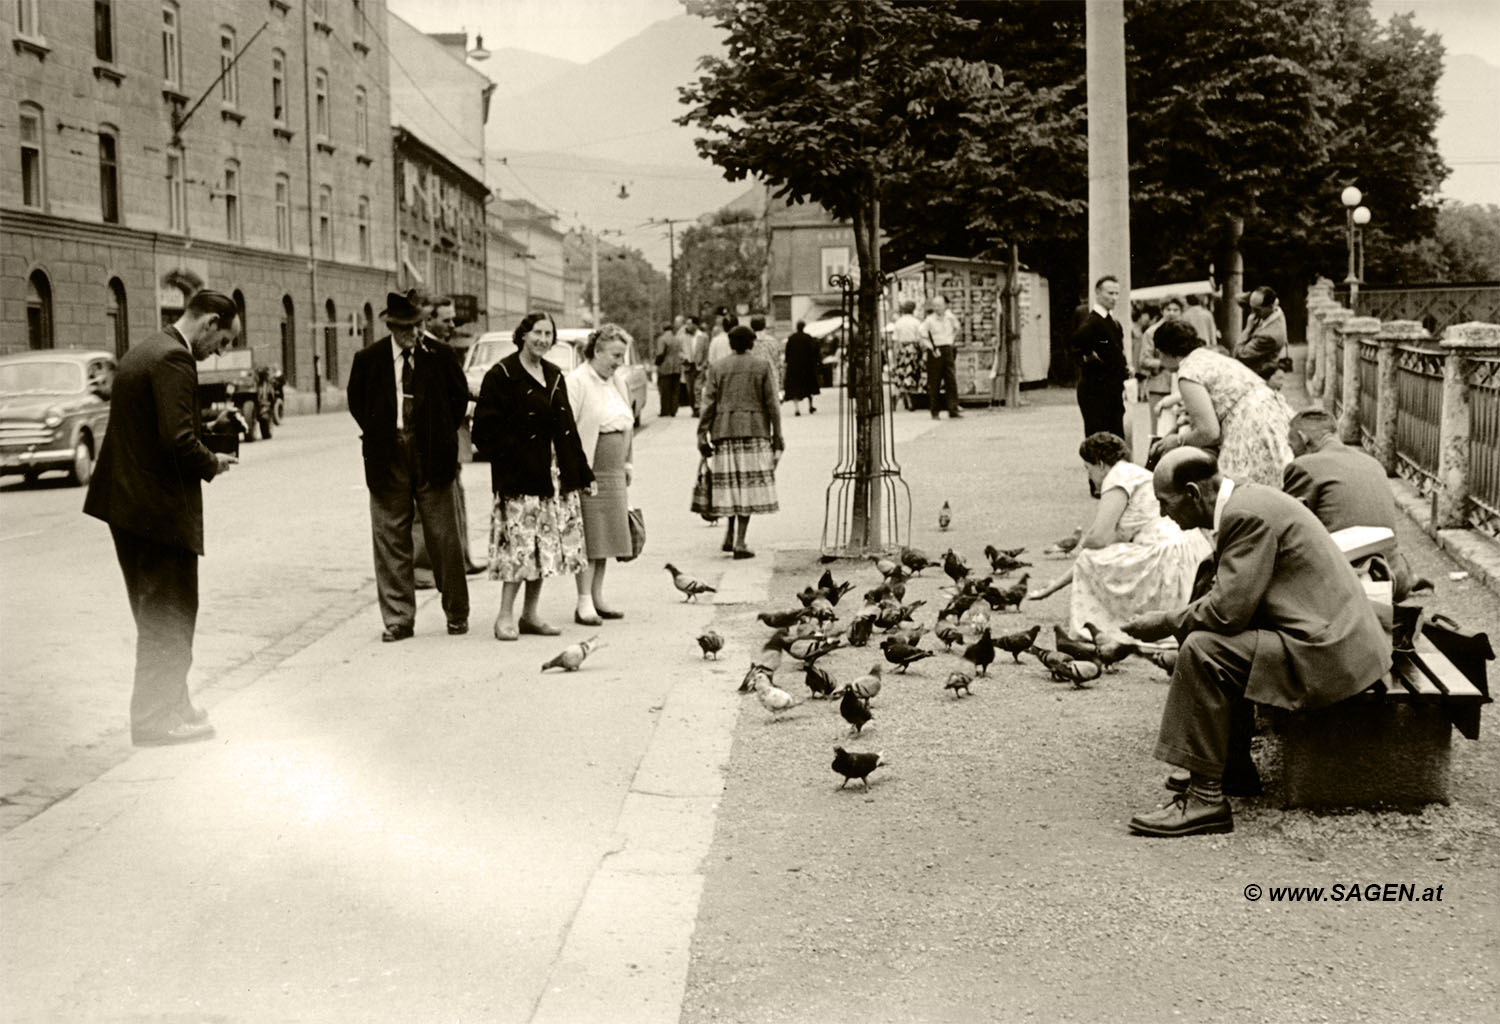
<point>605,428</point>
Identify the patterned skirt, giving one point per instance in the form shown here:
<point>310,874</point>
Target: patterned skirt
<point>743,473</point>
<point>532,537</point>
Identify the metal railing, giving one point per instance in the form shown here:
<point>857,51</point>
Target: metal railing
<point>1419,414</point>
<point>1369,390</point>
<point>1483,380</point>
<point>1436,307</point>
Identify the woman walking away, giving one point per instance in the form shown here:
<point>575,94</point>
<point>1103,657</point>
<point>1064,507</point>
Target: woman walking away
<point>605,430</point>
<point>740,435</point>
<point>524,425</point>
<point>802,364</point>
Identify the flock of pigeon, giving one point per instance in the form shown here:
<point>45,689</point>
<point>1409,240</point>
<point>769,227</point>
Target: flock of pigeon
<point>802,634</point>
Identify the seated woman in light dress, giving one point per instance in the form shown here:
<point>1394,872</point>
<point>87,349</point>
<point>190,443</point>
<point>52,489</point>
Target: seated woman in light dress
<point>1132,559</point>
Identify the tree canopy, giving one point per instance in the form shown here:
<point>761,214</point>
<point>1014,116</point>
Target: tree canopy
<point>721,262</point>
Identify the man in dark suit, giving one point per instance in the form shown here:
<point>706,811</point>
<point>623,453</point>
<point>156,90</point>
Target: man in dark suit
<point>1286,624</point>
<point>148,488</point>
<point>409,399</point>
<point>1098,350</point>
<point>1340,485</point>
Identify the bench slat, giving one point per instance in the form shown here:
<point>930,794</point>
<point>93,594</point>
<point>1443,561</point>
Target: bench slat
<point>1443,672</point>
<point>1413,678</point>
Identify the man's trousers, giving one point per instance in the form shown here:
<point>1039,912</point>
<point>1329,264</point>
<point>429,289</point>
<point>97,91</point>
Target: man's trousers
<point>161,582</point>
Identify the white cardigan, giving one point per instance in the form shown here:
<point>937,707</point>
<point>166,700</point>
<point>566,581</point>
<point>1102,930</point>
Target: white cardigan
<point>595,402</point>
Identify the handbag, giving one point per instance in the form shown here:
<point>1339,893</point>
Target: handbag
<point>703,490</point>
<point>637,520</point>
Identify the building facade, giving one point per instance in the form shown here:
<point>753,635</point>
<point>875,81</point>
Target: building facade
<point>439,106</point>
<point>805,246</point>
<point>242,142</point>
<point>521,232</point>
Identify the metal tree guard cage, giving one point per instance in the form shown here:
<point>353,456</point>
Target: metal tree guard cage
<point>838,501</point>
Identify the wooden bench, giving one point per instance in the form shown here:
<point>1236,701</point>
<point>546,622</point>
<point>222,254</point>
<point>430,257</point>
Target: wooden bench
<point>1392,744</point>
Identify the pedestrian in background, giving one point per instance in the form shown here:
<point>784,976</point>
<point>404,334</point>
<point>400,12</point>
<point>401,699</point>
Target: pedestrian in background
<point>687,342</point>
<point>909,355</point>
<point>1156,381</point>
<point>802,364</point>
<point>718,345</point>
<point>769,348</point>
<point>1265,327</point>
<point>606,435</point>
<point>1202,320</point>
<point>148,486</point>
<point>1098,350</point>
<point>702,342</point>
<point>524,423</point>
<point>409,396</point>
<point>941,330</point>
<point>739,434</point>
<point>668,370</point>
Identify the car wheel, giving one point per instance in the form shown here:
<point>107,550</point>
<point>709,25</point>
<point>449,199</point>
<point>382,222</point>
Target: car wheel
<point>278,411</point>
<point>82,469</point>
<point>247,410</point>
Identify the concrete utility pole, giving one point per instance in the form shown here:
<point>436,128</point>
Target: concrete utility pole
<point>1109,154</point>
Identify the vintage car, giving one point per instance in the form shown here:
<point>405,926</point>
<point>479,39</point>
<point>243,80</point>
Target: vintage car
<point>489,349</point>
<point>54,408</point>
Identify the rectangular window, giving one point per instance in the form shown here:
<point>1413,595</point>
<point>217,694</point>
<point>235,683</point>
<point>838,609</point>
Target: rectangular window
<point>28,20</point>
<point>232,226</point>
<point>361,121</point>
<point>171,45</point>
<point>283,213</point>
<point>359,21</point>
<point>320,102</point>
<point>104,30</point>
<point>834,261</point>
<point>325,222</point>
<point>364,229</point>
<point>229,85</point>
<point>32,181</point>
<point>278,86</point>
<point>109,179</point>
<point>176,194</point>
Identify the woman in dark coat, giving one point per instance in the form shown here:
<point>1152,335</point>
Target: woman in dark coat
<point>803,363</point>
<point>740,436</point>
<point>524,425</point>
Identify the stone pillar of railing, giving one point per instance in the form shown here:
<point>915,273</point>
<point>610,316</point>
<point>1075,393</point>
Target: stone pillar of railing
<point>1460,342</point>
<point>1333,322</point>
<point>1317,343</point>
<point>1356,331</point>
<point>1392,334</point>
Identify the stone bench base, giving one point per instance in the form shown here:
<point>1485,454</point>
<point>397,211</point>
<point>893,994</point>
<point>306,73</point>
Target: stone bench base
<point>1366,753</point>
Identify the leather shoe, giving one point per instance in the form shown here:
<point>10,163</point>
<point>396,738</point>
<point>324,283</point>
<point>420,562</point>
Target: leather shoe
<point>587,620</point>
<point>395,633</point>
<point>458,628</point>
<point>1184,816</point>
<point>182,732</point>
<point>537,628</point>
<point>743,553</point>
<point>608,613</point>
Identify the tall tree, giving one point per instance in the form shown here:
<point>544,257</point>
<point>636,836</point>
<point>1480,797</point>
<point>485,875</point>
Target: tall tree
<point>721,263</point>
<point>633,294</point>
<point>856,104</point>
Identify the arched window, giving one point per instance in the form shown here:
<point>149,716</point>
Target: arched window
<point>38,311</point>
<point>369,327</point>
<point>331,345</point>
<point>278,86</point>
<point>239,304</point>
<point>289,340</point>
<point>117,316</point>
<point>109,175</point>
<point>229,84</point>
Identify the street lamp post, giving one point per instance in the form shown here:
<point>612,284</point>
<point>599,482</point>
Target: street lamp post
<point>1355,219</point>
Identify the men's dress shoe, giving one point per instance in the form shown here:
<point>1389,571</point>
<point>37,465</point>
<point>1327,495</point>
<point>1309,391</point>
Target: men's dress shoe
<point>609,613</point>
<point>183,732</point>
<point>458,628</point>
<point>395,633</point>
<point>1184,816</point>
<point>727,546</point>
<point>955,415</point>
<point>537,628</point>
<point>743,553</point>
<point>587,620</point>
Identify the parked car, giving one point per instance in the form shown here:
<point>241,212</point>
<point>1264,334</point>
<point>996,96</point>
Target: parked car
<point>488,349</point>
<point>54,408</point>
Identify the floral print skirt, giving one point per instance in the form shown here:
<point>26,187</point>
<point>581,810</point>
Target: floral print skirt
<point>532,537</point>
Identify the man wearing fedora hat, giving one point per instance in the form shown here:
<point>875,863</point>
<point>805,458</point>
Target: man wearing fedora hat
<point>409,398</point>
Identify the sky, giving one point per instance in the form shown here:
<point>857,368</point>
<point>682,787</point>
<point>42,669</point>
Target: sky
<point>576,30</point>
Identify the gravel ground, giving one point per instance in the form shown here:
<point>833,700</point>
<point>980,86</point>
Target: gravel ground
<point>988,874</point>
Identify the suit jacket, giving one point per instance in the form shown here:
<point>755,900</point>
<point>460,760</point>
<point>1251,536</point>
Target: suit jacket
<point>440,397</point>
<point>1098,349</point>
<point>1342,486</point>
<point>149,480</point>
<point>1279,572</point>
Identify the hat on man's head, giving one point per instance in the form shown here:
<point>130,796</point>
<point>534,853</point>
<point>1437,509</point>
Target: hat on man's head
<point>400,311</point>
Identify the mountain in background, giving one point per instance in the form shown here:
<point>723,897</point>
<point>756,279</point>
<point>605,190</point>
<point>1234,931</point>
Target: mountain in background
<point>519,71</point>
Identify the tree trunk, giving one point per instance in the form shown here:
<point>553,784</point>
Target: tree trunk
<point>1234,273</point>
<point>865,361</point>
